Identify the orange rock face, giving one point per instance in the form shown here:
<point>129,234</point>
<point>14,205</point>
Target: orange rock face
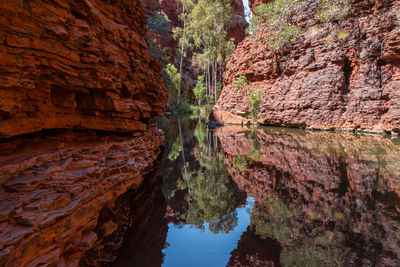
<point>76,64</point>
<point>54,187</point>
<point>336,75</point>
<point>254,3</point>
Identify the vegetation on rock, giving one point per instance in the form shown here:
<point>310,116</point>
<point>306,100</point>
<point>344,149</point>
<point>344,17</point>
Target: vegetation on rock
<point>279,17</point>
<point>254,95</point>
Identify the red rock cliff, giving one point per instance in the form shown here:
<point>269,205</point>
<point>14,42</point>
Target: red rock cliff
<point>254,3</point>
<point>76,64</point>
<point>336,75</point>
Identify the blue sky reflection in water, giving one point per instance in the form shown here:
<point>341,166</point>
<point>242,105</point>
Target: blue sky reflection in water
<point>189,246</point>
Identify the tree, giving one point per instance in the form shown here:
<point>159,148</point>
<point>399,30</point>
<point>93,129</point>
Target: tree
<point>171,79</point>
<point>205,25</point>
<point>180,33</point>
<point>200,90</point>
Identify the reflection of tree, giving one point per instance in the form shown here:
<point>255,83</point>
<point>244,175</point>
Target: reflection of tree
<point>211,194</point>
<point>279,221</point>
<point>242,162</point>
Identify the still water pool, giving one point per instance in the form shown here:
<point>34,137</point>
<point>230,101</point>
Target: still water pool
<point>237,196</point>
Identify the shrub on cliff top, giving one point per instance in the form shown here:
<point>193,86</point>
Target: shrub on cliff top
<point>278,15</point>
<point>332,10</point>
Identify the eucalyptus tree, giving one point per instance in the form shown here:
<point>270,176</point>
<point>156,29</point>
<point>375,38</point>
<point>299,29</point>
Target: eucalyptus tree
<point>180,34</point>
<point>205,25</point>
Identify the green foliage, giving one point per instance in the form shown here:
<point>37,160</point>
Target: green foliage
<point>205,25</point>
<point>254,95</point>
<point>200,90</point>
<point>278,16</point>
<point>211,193</point>
<point>284,34</point>
<point>255,102</point>
<point>203,111</point>
<point>207,30</point>
<point>159,23</point>
<point>241,162</point>
<point>279,221</point>
<point>240,83</point>
<point>157,52</point>
<point>184,107</point>
<point>331,10</point>
<point>171,79</point>
<point>175,150</point>
<point>255,152</point>
<point>312,256</point>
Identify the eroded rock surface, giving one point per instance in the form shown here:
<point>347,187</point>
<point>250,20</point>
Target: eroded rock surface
<point>53,188</point>
<point>76,64</point>
<point>336,75</point>
<point>345,188</point>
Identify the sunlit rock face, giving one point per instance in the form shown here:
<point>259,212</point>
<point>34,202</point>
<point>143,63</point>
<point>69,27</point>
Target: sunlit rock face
<point>76,64</point>
<point>239,24</point>
<point>254,3</point>
<point>335,75</point>
<point>54,187</point>
<point>324,196</point>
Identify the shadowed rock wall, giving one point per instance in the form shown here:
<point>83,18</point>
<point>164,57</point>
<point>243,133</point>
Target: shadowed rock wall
<point>54,187</point>
<point>76,64</point>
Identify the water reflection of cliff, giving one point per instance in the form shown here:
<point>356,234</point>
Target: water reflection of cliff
<point>328,198</point>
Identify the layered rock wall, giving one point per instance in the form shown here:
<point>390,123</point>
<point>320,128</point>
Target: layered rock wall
<point>341,75</point>
<point>80,64</point>
<point>76,64</point>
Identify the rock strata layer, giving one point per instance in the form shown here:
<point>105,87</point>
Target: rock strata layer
<point>54,189</point>
<point>342,75</point>
<point>76,64</point>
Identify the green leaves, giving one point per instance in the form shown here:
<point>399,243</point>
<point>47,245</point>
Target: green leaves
<point>240,83</point>
<point>283,34</point>
<point>278,16</point>
<point>255,102</point>
<point>157,52</point>
<point>333,10</point>
<point>171,79</point>
<point>200,89</point>
<point>159,23</point>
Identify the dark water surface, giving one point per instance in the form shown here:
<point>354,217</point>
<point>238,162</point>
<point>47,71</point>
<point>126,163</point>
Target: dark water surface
<point>270,197</point>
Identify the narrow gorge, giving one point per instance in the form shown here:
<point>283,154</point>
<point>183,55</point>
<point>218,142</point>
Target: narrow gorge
<point>198,133</point>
